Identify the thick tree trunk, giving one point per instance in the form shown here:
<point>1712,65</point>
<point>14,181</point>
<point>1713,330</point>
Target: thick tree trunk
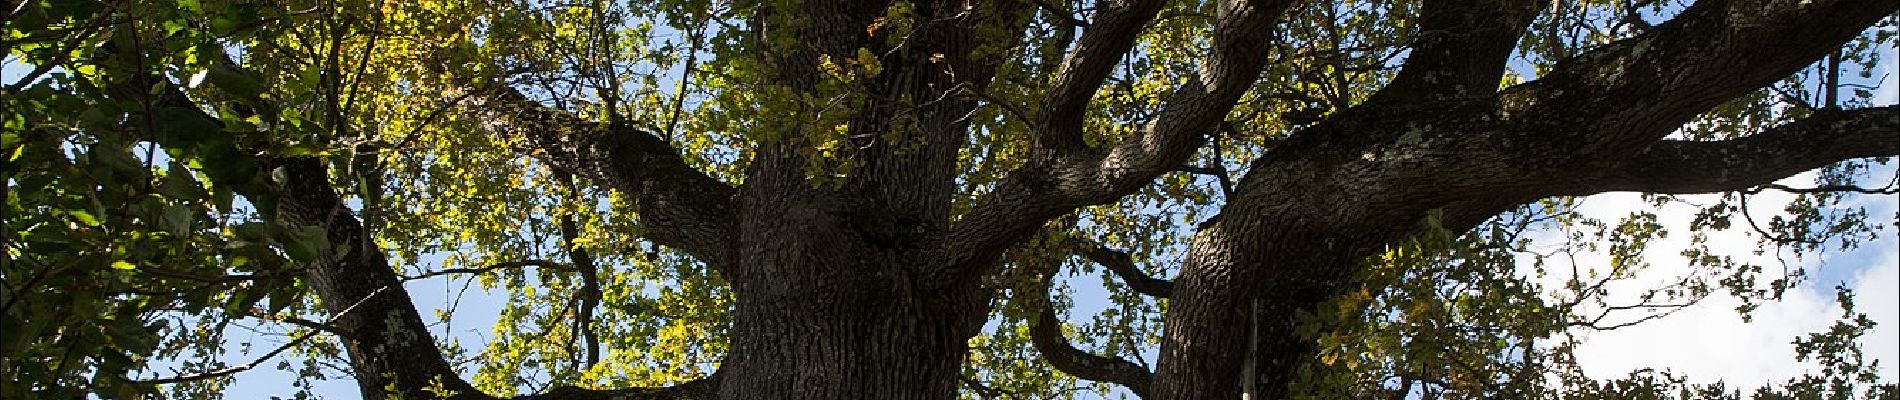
<point>831,304</point>
<point>840,345</point>
<point>866,290</point>
<point>1272,284</point>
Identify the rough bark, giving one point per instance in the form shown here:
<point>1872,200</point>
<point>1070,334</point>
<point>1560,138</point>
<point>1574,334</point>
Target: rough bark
<point>1059,179</point>
<point>836,291</point>
<point>1312,208</point>
<point>1688,167</point>
<point>869,289</point>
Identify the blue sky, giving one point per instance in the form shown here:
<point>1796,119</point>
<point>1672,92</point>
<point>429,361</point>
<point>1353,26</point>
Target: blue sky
<point>1705,342</point>
<point>1709,341</point>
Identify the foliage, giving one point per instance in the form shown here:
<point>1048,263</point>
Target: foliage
<point>135,247</point>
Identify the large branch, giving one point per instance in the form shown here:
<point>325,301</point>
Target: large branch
<point>1103,44</point>
<point>1055,183</point>
<point>1461,49</point>
<point>387,342</point>
<point>390,347</point>
<point>1683,167</point>
<point>679,206</point>
<point>359,288</point>
<point>1626,95</point>
<point>1317,203</point>
<point>1045,333</point>
<point>1589,113</point>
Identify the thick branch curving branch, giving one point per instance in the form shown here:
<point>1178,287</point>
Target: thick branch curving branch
<point>1056,182</point>
<point>389,346</point>
<point>1684,167</point>
<point>1712,52</point>
<point>1122,265</point>
<point>351,278</point>
<point>1102,46</point>
<point>1590,113</point>
<point>679,206</point>
<point>1045,332</point>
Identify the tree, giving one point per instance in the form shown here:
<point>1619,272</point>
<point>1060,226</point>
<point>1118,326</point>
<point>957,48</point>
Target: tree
<point>874,199</point>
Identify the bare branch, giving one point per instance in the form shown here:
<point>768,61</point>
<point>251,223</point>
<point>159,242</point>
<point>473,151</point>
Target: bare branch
<point>228,371</point>
<point>1068,17</point>
<point>583,261</point>
<point>1045,332</point>
<point>1221,177</point>
<point>487,268</point>
<point>1124,266</point>
<point>1890,189</point>
<point>984,390</point>
<point>308,324</point>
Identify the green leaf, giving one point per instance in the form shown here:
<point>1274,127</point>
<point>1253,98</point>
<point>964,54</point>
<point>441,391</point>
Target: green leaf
<point>84,217</point>
<point>122,265</point>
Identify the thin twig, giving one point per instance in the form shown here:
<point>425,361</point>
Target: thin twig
<point>1068,18</point>
<point>486,269</point>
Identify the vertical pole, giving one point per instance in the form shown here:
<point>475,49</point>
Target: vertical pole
<point>1249,368</point>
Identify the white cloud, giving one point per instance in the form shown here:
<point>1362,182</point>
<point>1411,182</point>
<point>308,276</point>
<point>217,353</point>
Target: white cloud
<point>1709,341</point>
<point>1889,90</point>
<point>1879,297</point>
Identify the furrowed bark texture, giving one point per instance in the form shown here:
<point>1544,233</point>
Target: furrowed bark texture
<point>868,288</point>
<point>1312,209</point>
<point>836,291</point>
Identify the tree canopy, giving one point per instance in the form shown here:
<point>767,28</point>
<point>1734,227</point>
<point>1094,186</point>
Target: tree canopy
<point>894,199</point>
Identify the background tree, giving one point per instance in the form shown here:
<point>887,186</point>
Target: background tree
<point>811,199</point>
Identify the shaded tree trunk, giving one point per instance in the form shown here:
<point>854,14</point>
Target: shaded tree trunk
<point>869,289</point>
<point>842,342</point>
